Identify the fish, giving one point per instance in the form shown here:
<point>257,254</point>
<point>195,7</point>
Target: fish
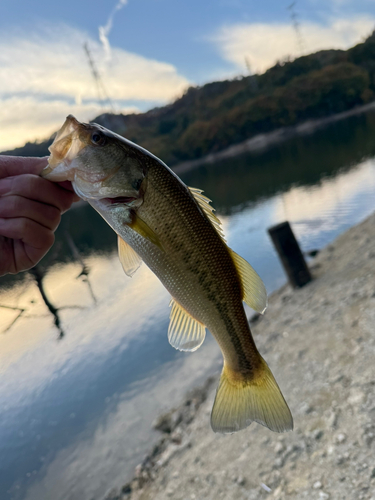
<point>173,229</point>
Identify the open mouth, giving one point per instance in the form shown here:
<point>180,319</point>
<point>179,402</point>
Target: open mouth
<point>120,200</point>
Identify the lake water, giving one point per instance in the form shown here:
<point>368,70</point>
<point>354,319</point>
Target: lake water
<point>77,409</point>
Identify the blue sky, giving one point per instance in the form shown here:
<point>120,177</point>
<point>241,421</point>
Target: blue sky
<point>149,51</point>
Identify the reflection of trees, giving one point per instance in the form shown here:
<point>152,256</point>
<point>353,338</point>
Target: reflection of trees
<point>38,273</point>
<point>38,276</point>
<point>20,312</point>
<point>85,269</point>
<point>302,160</point>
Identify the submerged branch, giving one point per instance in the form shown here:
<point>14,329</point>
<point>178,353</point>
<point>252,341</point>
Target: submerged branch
<point>38,276</point>
<point>85,269</point>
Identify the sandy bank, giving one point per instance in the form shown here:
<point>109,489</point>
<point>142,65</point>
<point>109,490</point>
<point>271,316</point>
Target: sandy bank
<point>320,343</point>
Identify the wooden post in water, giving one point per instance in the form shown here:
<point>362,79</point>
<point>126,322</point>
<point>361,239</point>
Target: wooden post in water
<point>290,254</point>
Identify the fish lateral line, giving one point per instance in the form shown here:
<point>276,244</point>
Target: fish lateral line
<point>200,271</point>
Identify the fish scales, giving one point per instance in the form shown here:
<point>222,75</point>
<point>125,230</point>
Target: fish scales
<point>196,263</point>
<point>172,229</point>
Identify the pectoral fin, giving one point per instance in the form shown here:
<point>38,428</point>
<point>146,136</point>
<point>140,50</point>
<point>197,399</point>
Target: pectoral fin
<point>184,333</point>
<point>144,230</point>
<point>129,258</point>
<point>254,291</point>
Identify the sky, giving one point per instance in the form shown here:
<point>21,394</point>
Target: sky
<point>148,52</point>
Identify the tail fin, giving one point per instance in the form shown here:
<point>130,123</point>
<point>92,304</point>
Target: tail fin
<point>239,401</point>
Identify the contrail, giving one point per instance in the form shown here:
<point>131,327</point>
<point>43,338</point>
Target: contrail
<point>105,30</point>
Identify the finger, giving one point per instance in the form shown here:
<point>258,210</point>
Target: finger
<point>16,165</point>
<point>36,188</point>
<point>68,185</point>
<point>29,231</point>
<point>15,206</point>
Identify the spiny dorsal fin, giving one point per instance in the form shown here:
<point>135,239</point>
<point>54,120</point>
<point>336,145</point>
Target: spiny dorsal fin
<point>129,258</point>
<point>254,291</point>
<point>184,333</point>
<point>204,203</point>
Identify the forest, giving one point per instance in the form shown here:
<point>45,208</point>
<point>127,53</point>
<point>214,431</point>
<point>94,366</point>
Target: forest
<point>214,116</point>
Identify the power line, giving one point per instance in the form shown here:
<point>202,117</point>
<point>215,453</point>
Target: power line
<point>297,28</point>
<point>103,97</point>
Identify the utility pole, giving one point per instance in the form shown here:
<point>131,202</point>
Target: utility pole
<point>297,28</point>
<point>102,93</point>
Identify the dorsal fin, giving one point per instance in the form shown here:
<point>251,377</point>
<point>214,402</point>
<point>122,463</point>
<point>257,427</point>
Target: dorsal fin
<point>254,291</point>
<point>129,258</point>
<point>184,333</point>
<point>204,203</point>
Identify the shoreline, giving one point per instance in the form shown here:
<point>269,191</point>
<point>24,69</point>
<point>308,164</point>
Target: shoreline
<point>319,342</point>
<point>261,142</point>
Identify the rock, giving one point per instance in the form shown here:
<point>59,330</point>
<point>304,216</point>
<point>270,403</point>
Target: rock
<point>340,460</point>
<point>279,462</point>
<point>356,397</point>
<point>330,450</point>
<point>306,408</point>
<point>323,496</point>
<point>332,419</point>
<point>340,438</point>
<point>167,422</point>
<point>176,437</point>
<point>241,480</point>
<point>265,487</point>
<point>279,448</point>
<point>317,485</point>
<point>369,438</point>
<point>126,489</point>
<point>318,434</point>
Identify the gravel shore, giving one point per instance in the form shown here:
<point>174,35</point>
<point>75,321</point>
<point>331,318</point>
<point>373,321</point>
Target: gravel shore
<point>319,342</point>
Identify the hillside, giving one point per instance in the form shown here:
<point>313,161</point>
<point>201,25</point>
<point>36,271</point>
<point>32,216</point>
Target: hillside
<point>210,118</point>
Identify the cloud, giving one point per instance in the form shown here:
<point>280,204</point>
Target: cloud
<point>24,119</point>
<point>44,77</point>
<point>264,44</point>
<point>105,30</point>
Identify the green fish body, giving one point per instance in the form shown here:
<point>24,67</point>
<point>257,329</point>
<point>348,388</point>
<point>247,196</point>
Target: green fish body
<point>172,228</point>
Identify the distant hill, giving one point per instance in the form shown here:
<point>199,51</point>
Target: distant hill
<point>210,118</point>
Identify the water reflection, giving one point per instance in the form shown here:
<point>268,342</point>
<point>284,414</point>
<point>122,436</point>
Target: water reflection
<point>77,413</point>
<point>300,161</point>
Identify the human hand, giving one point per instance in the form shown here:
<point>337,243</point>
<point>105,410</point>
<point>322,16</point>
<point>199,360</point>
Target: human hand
<point>30,211</point>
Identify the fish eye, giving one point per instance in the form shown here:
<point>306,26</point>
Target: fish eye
<point>98,138</point>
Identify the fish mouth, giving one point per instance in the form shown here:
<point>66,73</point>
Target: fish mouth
<point>64,149</point>
<point>119,200</point>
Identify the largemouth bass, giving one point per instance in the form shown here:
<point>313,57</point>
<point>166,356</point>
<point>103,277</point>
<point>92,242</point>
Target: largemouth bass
<point>173,229</point>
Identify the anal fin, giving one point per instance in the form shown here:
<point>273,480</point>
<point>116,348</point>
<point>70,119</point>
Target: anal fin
<point>254,291</point>
<point>184,333</point>
<point>129,258</point>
